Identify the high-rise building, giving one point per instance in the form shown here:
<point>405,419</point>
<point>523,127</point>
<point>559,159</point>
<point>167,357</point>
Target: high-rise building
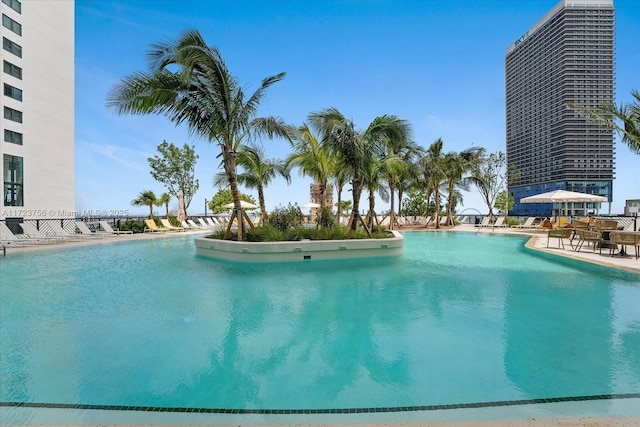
<point>37,148</point>
<point>565,58</point>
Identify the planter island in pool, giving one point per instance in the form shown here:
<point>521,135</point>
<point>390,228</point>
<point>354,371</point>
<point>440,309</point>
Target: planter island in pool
<point>299,250</point>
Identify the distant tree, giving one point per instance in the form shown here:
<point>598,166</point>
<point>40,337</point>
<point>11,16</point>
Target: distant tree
<point>504,202</point>
<point>175,168</point>
<point>146,198</point>
<point>488,174</point>
<point>164,200</point>
<point>415,204</point>
<point>222,197</point>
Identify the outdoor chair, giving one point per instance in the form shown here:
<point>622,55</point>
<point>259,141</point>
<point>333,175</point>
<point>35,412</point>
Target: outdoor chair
<point>527,224</point>
<point>192,224</point>
<point>624,240</point>
<point>560,234</point>
<point>500,222</point>
<point>58,231</point>
<point>151,226</point>
<point>86,231</point>
<point>8,238</point>
<point>166,224</point>
<point>588,236</point>
<point>486,222</point>
<point>32,231</point>
<point>107,227</point>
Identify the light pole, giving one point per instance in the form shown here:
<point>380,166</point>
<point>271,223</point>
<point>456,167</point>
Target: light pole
<point>205,206</point>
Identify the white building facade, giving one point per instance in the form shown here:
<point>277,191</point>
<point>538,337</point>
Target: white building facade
<point>37,148</point>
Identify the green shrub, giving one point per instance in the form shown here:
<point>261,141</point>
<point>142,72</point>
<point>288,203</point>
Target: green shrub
<point>284,218</point>
<point>263,233</point>
<point>131,225</point>
<point>326,218</point>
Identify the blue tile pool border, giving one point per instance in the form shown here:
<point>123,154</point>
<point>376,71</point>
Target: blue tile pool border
<point>322,411</point>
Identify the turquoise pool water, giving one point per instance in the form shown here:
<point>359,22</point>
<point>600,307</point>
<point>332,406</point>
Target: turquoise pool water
<point>457,319</point>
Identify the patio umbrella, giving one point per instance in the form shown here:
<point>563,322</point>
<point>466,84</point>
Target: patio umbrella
<point>310,205</point>
<point>181,211</point>
<point>243,204</point>
<point>563,196</point>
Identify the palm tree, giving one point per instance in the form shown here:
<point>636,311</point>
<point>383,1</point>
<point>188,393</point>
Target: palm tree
<point>188,82</point>
<point>164,199</point>
<point>258,172</point>
<point>627,114</point>
<point>146,198</point>
<point>454,167</point>
<point>311,157</point>
<point>340,178</point>
<point>345,142</point>
<point>433,174</point>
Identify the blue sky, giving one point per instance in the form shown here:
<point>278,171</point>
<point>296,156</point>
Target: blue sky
<point>438,64</point>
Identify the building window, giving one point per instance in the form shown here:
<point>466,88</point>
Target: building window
<point>12,137</point>
<point>13,181</point>
<point>14,4</point>
<point>13,92</point>
<point>12,47</point>
<point>13,115</point>
<point>11,25</point>
<point>12,70</point>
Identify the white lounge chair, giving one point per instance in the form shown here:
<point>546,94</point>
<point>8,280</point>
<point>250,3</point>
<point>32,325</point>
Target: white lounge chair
<point>58,231</point>
<point>32,231</point>
<point>107,227</point>
<point>527,224</point>
<point>500,222</point>
<point>86,231</point>
<point>193,224</point>
<point>203,223</point>
<point>485,222</point>
<point>9,239</point>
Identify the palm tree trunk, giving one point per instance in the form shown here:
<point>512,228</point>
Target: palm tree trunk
<point>392,214</point>
<point>372,214</point>
<point>263,210</point>
<point>229,159</point>
<point>437,203</point>
<point>150,210</point>
<point>400,194</point>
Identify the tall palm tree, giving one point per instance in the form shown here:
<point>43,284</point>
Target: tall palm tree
<point>454,167</point>
<point>340,178</point>
<point>311,157</point>
<point>342,139</point>
<point>188,82</point>
<point>627,114</point>
<point>258,172</point>
<point>433,174</point>
<point>146,198</point>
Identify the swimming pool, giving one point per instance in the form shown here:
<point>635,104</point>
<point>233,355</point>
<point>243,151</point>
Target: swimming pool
<point>458,320</point>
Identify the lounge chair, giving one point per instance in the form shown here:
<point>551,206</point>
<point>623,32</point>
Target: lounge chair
<point>213,223</point>
<point>193,224</point>
<point>203,224</point>
<point>151,227</point>
<point>58,231</point>
<point>166,224</point>
<point>500,222</point>
<point>107,227</point>
<point>560,234</point>
<point>86,231</point>
<point>9,239</point>
<point>32,231</point>
<point>527,224</point>
<point>486,222</point>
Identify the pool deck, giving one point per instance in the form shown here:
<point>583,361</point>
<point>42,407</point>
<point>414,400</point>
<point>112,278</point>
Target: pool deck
<point>538,241</point>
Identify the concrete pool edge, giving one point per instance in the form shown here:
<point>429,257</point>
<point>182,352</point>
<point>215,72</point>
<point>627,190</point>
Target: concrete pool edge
<point>301,250</point>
